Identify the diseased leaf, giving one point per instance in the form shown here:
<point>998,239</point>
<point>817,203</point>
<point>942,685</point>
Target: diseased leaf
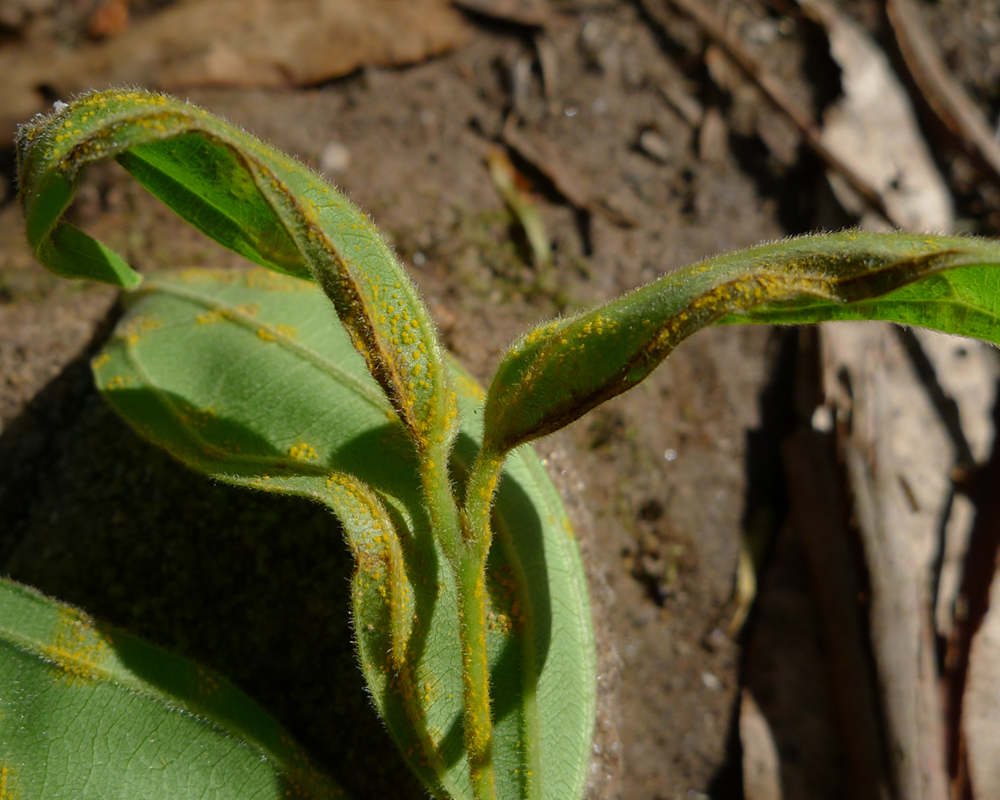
<point>202,364</point>
<point>88,712</point>
<point>564,368</point>
<point>276,212</point>
<point>256,201</point>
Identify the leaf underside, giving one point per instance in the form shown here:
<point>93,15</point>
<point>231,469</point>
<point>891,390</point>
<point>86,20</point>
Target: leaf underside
<point>254,389</point>
<point>186,368</point>
<point>254,200</point>
<point>88,712</point>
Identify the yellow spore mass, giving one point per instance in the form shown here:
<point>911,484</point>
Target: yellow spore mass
<point>134,329</point>
<point>77,647</point>
<point>6,783</point>
<point>302,452</point>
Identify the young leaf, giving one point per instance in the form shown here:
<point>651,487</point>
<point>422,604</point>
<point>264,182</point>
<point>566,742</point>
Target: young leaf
<point>254,200</point>
<point>246,377</point>
<point>564,368</point>
<point>91,712</point>
<point>260,203</point>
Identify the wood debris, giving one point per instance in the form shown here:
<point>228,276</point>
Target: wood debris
<point>944,94</point>
<point>898,459</point>
<point>683,102</point>
<point>900,450</point>
<point>716,30</point>
<point>873,128</point>
<point>974,739</point>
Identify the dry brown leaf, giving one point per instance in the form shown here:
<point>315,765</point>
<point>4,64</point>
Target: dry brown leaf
<point>239,43</point>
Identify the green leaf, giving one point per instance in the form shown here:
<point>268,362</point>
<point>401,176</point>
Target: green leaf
<point>564,368</point>
<point>246,377</point>
<point>88,712</point>
<point>276,212</point>
<point>256,201</point>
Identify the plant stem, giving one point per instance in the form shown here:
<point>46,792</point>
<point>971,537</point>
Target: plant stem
<point>481,486</point>
<point>468,564</point>
<point>475,547</point>
<point>441,507</point>
<point>476,671</point>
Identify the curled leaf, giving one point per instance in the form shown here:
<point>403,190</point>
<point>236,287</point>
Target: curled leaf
<point>254,200</point>
<point>564,368</point>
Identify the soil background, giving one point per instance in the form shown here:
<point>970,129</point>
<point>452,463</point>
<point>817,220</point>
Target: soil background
<point>681,162</point>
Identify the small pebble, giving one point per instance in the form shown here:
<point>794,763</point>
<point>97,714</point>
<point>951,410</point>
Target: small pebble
<point>715,640</point>
<point>591,31</point>
<point>822,419</point>
<point>654,145</point>
<point>712,683</point>
<point>109,18</point>
<point>713,139</point>
<point>335,158</point>
<point>764,31</point>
